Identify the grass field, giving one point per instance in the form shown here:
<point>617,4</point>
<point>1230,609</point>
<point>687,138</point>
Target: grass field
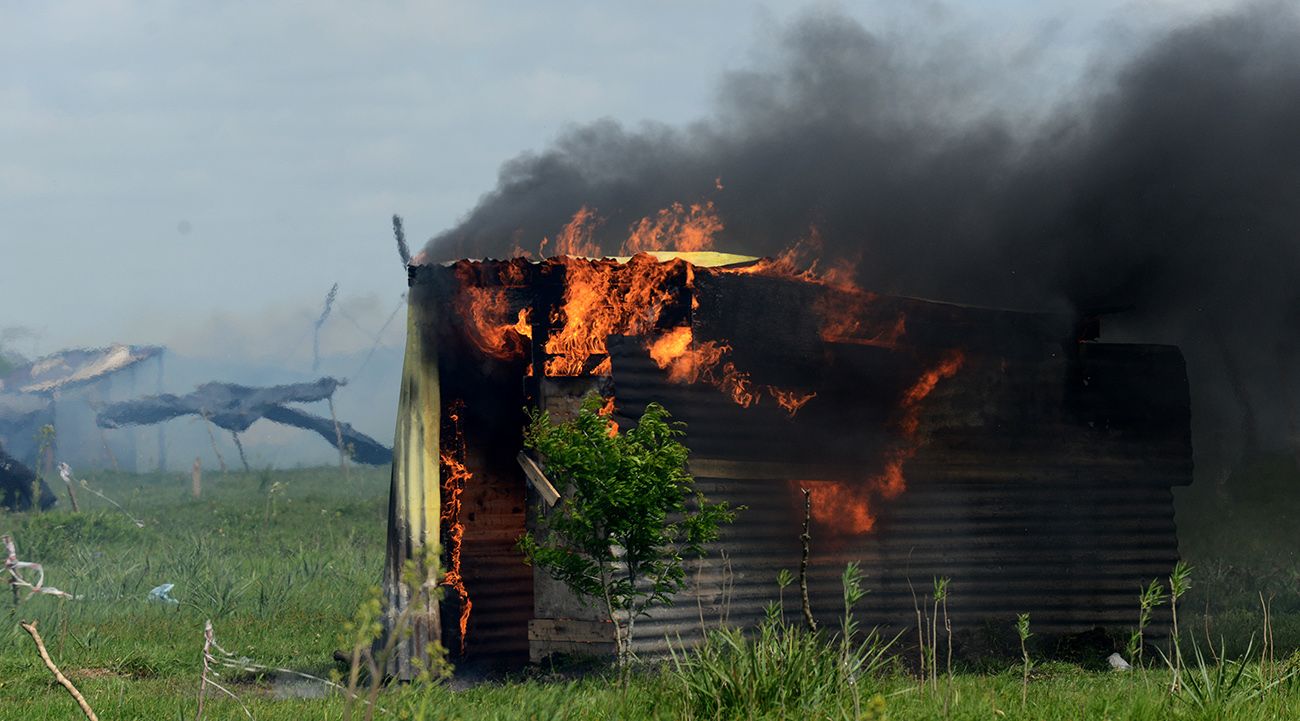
<point>279,561</point>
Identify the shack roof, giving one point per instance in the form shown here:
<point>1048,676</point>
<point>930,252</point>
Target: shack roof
<point>75,367</point>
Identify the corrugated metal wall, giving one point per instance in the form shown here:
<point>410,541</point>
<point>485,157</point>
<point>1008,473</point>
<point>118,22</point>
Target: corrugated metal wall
<point>1041,481</point>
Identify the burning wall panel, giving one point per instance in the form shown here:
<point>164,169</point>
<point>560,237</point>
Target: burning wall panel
<point>1005,450</point>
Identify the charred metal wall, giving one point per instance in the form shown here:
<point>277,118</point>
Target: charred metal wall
<point>488,397</point>
<point>1041,483</point>
<point>1039,478</point>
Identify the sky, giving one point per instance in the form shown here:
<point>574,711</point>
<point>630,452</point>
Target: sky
<point>199,174</point>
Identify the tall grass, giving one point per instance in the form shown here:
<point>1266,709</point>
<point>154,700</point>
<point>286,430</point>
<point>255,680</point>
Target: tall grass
<point>785,669</point>
<point>281,586</point>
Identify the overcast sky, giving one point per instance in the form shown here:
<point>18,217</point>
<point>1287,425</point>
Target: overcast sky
<point>199,173</point>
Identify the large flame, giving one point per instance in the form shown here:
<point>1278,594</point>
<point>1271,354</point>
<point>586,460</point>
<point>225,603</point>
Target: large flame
<point>455,474</point>
<point>840,506</point>
<point>688,361</point>
<point>604,298</point>
<point>578,236</point>
<point>846,508</point>
<point>490,324</point>
<point>891,482</point>
<point>677,227</point>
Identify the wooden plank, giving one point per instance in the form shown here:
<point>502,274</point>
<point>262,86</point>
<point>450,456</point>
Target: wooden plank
<point>538,651</point>
<point>570,630</point>
<point>538,479</point>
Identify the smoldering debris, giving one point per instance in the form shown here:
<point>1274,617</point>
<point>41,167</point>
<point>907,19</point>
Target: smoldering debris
<point>17,482</point>
<point>235,408</point>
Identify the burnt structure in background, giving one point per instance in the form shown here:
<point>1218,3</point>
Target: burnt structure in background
<point>1009,451</point>
<point>235,408</point>
<point>65,390</point>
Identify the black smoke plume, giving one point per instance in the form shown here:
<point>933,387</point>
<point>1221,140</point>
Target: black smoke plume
<point>1167,184</point>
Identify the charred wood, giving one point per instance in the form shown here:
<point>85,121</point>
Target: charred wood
<point>16,484</point>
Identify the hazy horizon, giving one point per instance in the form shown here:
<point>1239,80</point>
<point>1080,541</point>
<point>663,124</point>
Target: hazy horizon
<point>199,176</point>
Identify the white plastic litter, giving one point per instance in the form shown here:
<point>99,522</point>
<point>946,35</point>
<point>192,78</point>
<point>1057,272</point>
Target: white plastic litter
<point>13,566</point>
<point>162,594</point>
<point>1117,662</point>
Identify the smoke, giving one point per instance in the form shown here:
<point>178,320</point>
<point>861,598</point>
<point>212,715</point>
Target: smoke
<point>1166,183</point>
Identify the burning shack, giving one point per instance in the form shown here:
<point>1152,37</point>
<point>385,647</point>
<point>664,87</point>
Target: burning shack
<point>1011,452</point>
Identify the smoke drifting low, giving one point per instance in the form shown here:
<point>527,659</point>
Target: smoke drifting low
<point>1168,184</point>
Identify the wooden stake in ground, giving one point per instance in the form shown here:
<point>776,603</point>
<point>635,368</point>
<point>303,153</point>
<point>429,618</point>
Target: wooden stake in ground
<point>196,478</point>
<point>338,435</point>
<point>65,472</point>
<point>806,540</point>
<point>30,628</point>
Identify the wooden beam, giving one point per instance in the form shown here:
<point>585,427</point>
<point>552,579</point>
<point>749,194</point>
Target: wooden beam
<point>538,479</point>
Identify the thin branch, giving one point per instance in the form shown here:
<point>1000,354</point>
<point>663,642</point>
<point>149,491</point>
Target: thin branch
<point>30,628</point>
<point>806,540</point>
<point>66,471</point>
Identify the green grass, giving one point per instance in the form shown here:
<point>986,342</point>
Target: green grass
<point>281,560</point>
<point>277,572</point>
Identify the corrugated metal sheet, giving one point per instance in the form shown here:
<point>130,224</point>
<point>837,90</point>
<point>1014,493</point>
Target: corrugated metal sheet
<point>1043,484</point>
<point>499,583</point>
<point>1041,480</point>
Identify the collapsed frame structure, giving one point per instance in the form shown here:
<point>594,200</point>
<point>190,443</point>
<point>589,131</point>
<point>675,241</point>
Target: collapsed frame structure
<point>1035,471</point>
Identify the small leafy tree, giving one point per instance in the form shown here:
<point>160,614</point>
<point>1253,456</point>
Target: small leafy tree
<point>629,512</point>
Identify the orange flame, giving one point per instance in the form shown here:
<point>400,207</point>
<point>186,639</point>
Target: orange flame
<point>802,261</point>
<point>891,481</point>
<point>791,401</point>
<point>847,320</point>
<point>578,237</point>
<point>839,506</point>
<point>844,507</point>
<point>455,475</point>
<point>607,410</point>
<point>848,315</point>
<point>490,326</point>
<point>677,227</point>
<point>688,362</point>
<point>604,298</point>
